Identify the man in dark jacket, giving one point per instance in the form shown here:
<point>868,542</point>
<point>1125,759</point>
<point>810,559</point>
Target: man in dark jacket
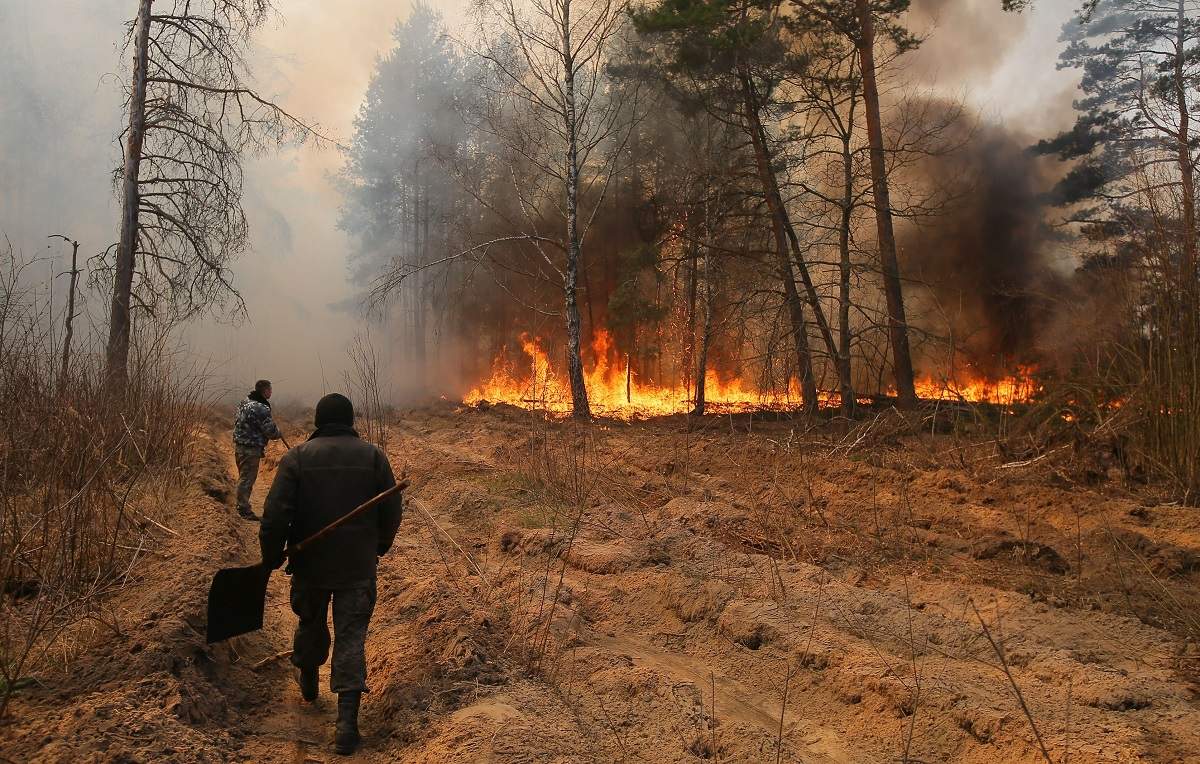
<point>252,428</point>
<point>318,482</point>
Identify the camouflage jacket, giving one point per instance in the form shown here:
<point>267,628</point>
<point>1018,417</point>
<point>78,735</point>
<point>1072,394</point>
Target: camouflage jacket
<point>253,425</point>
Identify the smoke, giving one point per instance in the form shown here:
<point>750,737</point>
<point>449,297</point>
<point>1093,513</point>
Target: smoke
<point>62,89</point>
<point>992,269</point>
<point>989,265</point>
<point>1002,63</point>
<point>963,40</point>
<point>61,84</point>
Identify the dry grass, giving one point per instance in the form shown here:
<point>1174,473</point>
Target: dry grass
<point>77,460</point>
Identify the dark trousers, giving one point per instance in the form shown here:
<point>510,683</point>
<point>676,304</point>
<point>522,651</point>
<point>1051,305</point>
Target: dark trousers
<point>352,608</point>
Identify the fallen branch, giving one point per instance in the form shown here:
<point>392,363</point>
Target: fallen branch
<point>158,524</point>
<point>271,659</point>
<point>1027,462</point>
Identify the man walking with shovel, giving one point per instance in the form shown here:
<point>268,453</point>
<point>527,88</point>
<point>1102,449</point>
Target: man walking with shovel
<point>317,483</point>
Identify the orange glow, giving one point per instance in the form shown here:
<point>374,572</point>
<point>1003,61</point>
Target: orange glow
<point>616,391</point>
<point>1021,387</point>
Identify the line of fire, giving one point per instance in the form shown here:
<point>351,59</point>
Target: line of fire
<point>715,237</point>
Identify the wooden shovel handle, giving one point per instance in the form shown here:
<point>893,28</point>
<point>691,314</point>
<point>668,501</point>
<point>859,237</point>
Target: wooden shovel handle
<point>397,488</point>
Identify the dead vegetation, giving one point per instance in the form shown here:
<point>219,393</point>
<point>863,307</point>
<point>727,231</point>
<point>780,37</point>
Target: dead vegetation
<point>730,589</point>
<point>87,470</point>
<point>721,592</point>
<point>883,508</point>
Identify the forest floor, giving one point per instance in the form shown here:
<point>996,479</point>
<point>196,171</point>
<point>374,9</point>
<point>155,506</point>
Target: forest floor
<point>723,589</point>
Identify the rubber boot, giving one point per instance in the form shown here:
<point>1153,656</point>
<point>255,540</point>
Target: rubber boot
<point>346,738</point>
<point>308,681</point>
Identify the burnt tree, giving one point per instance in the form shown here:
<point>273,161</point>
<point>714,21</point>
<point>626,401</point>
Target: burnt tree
<point>191,119</point>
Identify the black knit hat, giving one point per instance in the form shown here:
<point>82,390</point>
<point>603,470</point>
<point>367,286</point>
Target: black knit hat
<point>335,408</point>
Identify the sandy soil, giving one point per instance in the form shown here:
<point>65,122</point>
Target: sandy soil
<point>735,590</point>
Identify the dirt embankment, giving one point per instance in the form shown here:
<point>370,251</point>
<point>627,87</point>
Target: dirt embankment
<point>646,592</point>
<point>138,683</point>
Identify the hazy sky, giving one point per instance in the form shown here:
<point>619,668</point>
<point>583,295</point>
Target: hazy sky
<point>60,63</point>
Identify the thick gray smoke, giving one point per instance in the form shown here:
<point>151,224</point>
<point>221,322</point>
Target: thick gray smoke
<point>989,263</point>
<point>61,74</point>
<point>962,39</point>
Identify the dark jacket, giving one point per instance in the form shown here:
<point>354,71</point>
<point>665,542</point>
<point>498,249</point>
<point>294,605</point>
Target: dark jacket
<point>318,482</point>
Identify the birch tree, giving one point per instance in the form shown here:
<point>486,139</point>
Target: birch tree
<point>553,108</point>
<point>191,119</point>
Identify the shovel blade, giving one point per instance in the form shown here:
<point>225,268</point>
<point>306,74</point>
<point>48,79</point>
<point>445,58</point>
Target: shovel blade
<point>235,602</point>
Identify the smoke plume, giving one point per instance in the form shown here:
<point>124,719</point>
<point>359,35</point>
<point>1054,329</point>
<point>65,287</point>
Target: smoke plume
<point>987,265</point>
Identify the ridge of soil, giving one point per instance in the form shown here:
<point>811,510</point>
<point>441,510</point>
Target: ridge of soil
<point>726,596</point>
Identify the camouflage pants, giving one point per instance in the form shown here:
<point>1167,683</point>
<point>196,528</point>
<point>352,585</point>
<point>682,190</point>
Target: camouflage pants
<point>247,465</point>
<point>352,610</point>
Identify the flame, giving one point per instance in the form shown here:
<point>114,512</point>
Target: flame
<point>615,390</point>
<point>1020,387</point>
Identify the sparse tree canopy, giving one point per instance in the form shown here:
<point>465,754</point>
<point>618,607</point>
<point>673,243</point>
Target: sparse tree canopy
<point>552,106</point>
<point>192,118</point>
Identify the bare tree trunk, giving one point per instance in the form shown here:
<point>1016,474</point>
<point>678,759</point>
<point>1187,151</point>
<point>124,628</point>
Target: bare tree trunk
<point>69,329</point>
<point>579,395</point>
<point>405,253</point>
<point>1186,175</point>
<point>628,377</point>
<point>117,355</point>
<point>585,272</point>
<point>897,324</point>
<point>843,359</point>
<point>705,338</point>
<point>689,348</point>
<point>421,288</point>
<point>779,224</point>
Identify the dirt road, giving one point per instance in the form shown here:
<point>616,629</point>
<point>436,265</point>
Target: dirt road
<point>741,591</point>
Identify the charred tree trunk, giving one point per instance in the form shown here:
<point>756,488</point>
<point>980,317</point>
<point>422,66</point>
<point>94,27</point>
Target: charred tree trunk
<point>689,348</point>
<point>705,338</point>
<point>579,395</point>
<point>902,366</point>
<point>849,403</point>
<point>69,328</point>
<point>587,301</point>
<point>628,377</point>
<point>784,239</point>
<point>119,321</point>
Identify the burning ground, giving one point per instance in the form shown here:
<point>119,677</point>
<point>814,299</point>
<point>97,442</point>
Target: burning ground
<point>530,381</point>
<point>732,590</point>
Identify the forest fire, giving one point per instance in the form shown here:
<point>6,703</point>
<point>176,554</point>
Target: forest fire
<point>615,389</point>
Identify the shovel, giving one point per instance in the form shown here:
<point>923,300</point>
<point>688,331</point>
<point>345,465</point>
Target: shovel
<point>238,596</point>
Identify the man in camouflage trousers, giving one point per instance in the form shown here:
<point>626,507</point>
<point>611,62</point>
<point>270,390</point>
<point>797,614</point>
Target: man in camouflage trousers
<point>317,483</point>
<point>252,428</point>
